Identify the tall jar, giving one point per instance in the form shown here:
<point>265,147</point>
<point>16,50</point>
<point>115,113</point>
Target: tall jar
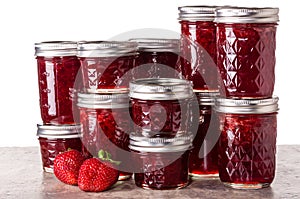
<point>198,46</point>
<point>161,163</point>
<point>246,40</point>
<point>203,161</point>
<point>157,58</point>
<point>160,107</point>
<point>57,70</point>
<point>247,145</point>
<point>55,139</point>
<point>106,65</point>
<point>106,124</point>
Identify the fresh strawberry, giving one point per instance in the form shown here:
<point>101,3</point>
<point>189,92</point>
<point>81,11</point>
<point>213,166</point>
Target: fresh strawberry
<point>66,166</point>
<point>96,176</point>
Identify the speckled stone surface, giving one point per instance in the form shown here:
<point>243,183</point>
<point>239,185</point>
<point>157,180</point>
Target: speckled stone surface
<point>21,176</point>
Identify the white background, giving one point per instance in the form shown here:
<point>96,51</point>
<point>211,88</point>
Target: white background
<point>25,22</point>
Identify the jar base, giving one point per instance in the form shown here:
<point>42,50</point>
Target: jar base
<point>206,176</point>
<point>124,177</point>
<point>246,186</point>
<point>178,186</point>
<point>48,169</point>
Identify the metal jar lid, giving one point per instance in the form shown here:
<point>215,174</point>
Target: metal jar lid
<point>246,15</point>
<point>206,98</point>
<point>161,145</point>
<point>197,13</point>
<point>160,89</point>
<point>157,45</point>
<point>106,101</point>
<point>106,48</point>
<point>59,131</point>
<point>56,48</point>
<point>249,106</point>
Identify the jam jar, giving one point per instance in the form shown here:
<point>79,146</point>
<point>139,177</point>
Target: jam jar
<point>198,46</point>
<point>106,65</point>
<point>161,163</point>
<point>157,58</point>
<point>247,145</point>
<point>160,107</point>
<point>55,139</point>
<point>57,70</point>
<point>203,161</point>
<point>106,124</point>
<point>246,40</point>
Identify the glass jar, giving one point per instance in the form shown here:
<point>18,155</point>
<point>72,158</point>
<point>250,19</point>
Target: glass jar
<point>247,145</point>
<point>160,107</point>
<point>55,139</point>
<point>157,58</point>
<point>57,70</point>
<point>198,46</point>
<point>161,163</point>
<point>246,40</point>
<point>106,65</point>
<point>203,161</point>
<point>106,124</point>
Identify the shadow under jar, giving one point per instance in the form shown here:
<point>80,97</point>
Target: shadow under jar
<point>106,125</point>
<point>198,46</point>
<point>57,70</point>
<point>56,139</point>
<point>161,163</point>
<point>203,161</point>
<point>247,145</point>
<point>246,41</point>
<point>160,107</point>
<point>106,65</point>
<point>158,58</point>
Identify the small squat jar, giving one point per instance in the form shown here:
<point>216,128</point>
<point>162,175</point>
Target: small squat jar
<point>57,71</point>
<point>246,40</point>
<point>106,65</point>
<point>247,145</point>
<point>160,107</point>
<point>158,58</point>
<point>203,161</point>
<point>198,46</point>
<point>161,163</point>
<point>56,139</point>
<point>106,125</point>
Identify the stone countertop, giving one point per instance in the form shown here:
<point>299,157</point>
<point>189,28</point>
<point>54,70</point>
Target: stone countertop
<point>22,176</point>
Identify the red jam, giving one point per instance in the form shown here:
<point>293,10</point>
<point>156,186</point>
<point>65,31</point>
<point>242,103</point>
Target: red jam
<point>247,149</point>
<point>56,77</point>
<point>51,147</point>
<point>199,54</point>
<point>107,129</point>
<point>204,163</point>
<point>106,64</point>
<point>159,173</point>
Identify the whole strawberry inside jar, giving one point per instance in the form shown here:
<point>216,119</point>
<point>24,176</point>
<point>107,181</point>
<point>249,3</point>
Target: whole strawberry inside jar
<point>55,139</point>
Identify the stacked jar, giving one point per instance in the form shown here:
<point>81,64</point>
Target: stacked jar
<point>246,62</point>
<point>106,68</point>
<point>158,58</point>
<point>161,141</point>
<point>198,64</point>
<point>58,67</point>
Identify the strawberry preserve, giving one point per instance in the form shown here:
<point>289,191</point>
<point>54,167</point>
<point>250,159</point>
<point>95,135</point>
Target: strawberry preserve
<point>160,107</point>
<point>161,163</point>
<point>57,70</point>
<point>246,40</point>
<point>198,46</point>
<point>247,145</point>
<point>106,65</point>
<point>106,123</point>
<point>203,161</point>
<point>157,58</point>
<point>55,139</point>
